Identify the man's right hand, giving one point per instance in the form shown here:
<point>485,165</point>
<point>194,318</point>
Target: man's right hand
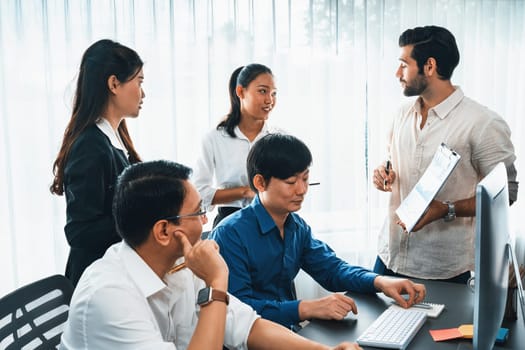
<point>332,307</point>
<point>381,180</point>
<point>204,260</point>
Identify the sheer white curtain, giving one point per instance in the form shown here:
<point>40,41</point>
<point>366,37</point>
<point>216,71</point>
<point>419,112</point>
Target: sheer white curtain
<point>334,63</point>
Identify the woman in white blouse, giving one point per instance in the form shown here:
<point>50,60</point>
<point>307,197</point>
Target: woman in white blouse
<point>220,172</point>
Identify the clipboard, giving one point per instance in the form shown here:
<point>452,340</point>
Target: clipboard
<point>416,203</point>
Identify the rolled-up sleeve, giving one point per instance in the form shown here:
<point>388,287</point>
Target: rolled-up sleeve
<point>239,322</point>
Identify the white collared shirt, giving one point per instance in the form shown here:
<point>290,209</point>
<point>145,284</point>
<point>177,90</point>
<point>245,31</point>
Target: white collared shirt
<point>116,141</point>
<point>222,164</point>
<point>441,249</point>
<point>120,303</point>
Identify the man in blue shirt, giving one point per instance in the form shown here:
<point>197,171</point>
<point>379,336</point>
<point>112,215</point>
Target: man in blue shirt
<point>266,243</point>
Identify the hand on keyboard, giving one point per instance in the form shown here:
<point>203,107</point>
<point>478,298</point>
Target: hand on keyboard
<point>394,287</point>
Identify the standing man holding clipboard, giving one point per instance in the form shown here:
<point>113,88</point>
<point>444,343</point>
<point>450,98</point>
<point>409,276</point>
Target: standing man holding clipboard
<point>441,244</point>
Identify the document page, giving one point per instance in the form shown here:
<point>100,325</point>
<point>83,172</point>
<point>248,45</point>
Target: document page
<point>428,186</point>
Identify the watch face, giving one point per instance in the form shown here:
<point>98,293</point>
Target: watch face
<point>204,296</point>
<point>451,215</point>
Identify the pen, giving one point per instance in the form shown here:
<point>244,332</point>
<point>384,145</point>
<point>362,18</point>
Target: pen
<point>314,183</point>
<point>387,171</point>
<point>177,268</point>
<point>418,305</point>
<point>422,306</point>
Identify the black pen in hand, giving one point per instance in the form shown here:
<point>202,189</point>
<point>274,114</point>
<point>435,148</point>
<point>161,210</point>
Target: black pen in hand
<point>387,171</point>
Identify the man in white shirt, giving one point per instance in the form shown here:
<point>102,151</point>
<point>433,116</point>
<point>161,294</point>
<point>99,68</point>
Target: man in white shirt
<point>441,245</point>
<point>134,298</point>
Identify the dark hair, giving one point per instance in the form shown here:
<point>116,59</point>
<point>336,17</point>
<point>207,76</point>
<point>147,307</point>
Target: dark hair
<point>436,42</point>
<point>101,60</point>
<point>145,193</point>
<point>243,76</point>
<point>279,156</point>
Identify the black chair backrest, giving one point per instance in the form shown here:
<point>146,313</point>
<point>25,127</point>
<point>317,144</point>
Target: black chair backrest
<point>33,316</point>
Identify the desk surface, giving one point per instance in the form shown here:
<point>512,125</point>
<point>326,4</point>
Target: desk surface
<point>459,309</point>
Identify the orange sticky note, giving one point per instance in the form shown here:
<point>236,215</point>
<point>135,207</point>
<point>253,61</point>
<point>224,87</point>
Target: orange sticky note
<point>467,330</point>
<point>445,334</point>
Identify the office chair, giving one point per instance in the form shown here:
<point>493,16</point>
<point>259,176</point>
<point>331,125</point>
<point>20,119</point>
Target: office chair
<point>33,316</point>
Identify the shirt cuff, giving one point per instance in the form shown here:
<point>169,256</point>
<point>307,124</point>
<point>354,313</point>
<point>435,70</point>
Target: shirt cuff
<point>368,280</point>
<point>291,310</point>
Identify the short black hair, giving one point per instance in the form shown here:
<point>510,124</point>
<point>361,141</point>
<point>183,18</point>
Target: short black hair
<point>145,193</point>
<point>436,42</point>
<point>277,155</point>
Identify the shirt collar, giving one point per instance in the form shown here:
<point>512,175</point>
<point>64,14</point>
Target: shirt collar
<point>146,279</point>
<point>265,221</point>
<point>104,126</point>
<point>446,106</point>
<point>265,130</point>
<point>142,275</point>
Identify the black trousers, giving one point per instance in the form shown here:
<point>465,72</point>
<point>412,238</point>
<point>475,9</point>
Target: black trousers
<point>222,213</point>
<point>381,269</point>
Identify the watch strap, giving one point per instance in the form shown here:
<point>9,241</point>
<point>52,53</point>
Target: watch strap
<point>219,295</point>
<point>209,294</point>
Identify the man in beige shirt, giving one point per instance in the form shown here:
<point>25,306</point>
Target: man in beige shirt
<point>441,245</point>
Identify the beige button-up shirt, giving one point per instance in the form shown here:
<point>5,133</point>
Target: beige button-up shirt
<point>441,249</point>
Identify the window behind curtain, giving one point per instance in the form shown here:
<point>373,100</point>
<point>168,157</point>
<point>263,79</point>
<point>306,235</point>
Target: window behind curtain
<point>334,64</point>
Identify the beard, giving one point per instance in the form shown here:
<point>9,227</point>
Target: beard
<point>416,86</point>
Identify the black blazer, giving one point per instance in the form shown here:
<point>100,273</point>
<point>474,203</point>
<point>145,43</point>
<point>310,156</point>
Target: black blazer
<point>90,174</point>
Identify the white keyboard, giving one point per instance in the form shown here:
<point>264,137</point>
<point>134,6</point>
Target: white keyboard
<point>393,329</point>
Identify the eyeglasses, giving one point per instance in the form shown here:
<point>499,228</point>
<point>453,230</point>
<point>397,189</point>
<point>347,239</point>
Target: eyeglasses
<point>201,212</point>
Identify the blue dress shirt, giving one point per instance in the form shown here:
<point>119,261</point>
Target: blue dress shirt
<point>263,266</point>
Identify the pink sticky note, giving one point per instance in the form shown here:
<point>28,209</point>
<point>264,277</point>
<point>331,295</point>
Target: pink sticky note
<point>445,334</point>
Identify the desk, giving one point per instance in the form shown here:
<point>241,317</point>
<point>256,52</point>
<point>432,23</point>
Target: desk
<point>459,309</point>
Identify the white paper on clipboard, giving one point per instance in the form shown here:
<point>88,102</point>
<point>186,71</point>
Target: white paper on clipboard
<point>428,186</point>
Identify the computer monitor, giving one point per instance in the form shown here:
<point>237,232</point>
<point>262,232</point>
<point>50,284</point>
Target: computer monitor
<point>492,257</point>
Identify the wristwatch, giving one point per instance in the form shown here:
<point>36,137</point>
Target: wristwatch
<point>451,215</point>
<point>208,294</point>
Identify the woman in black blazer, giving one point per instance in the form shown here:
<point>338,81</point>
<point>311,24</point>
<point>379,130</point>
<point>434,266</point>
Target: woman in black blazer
<point>96,148</point>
